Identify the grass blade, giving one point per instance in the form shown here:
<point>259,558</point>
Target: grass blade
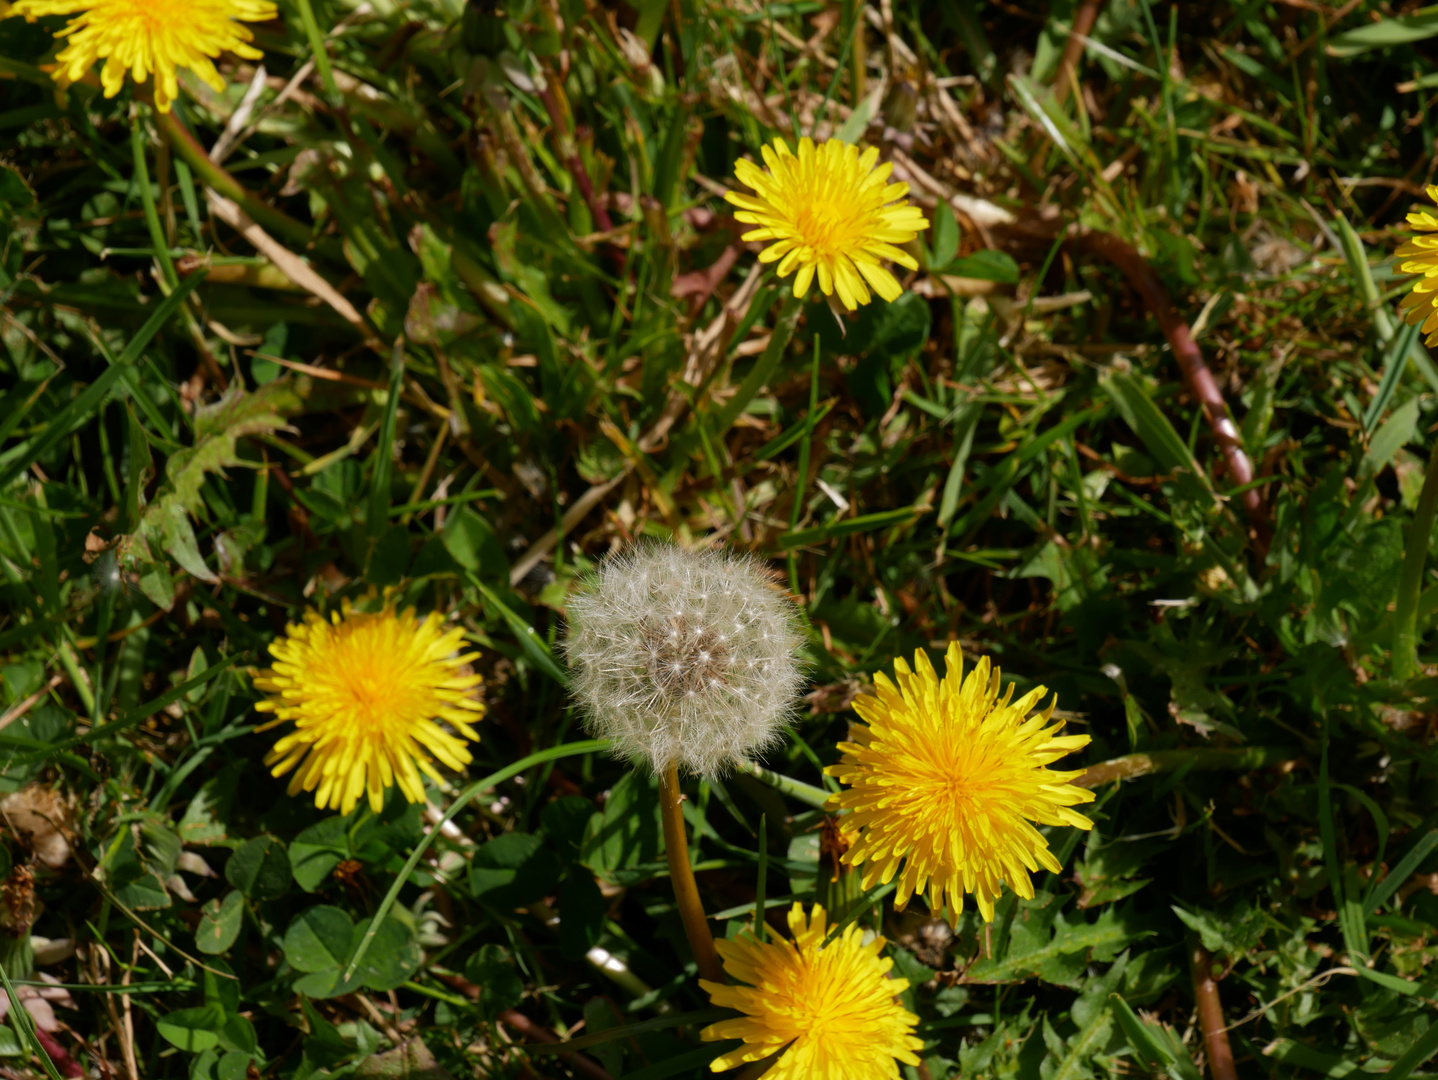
<point>554,753</point>
<point>82,406</point>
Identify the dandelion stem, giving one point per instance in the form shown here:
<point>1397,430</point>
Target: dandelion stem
<point>805,793</point>
<point>1410,580</point>
<point>686,890</point>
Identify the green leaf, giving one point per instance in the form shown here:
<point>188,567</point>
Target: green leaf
<point>848,526</point>
<point>986,265</point>
<point>1386,33</point>
<point>1396,432</point>
<point>411,1061</point>
<point>326,984</point>
<point>513,870</point>
<point>80,407</point>
<point>1156,1046</point>
<point>145,893</point>
<point>486,783</point>
<point>535,647</point>
<point>1399,875</point>
<point>471,542</point>
<point>490,968</point>
<point>1151,425</point>
<point>235,1063</point>
<point>565,821</point>
<point>627,834</point>
<point>582,911</point>
<point>1045,944</point>
<point>763,369</point>
<point>945,237</point>
<point>142,468</point>
<point>1421,1050</point>
<point>165,523</point>
<point>220,923</point>
<point>260,869</point>
<point>319,939</point>
<point>393,955</point>
<point>317,850</point>
<point>379,496</point>
<point>192,1030</point>
<point>204,818</point>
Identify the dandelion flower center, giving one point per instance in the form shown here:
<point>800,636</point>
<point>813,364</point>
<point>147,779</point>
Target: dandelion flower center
<point>831,215</point>
<point>685,657</point>
<point>366,693</point>
<point>144,36</point>
<point>947,781</point>
<point>829,1008</point>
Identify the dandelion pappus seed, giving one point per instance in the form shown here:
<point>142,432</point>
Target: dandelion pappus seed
<point>658,669</point>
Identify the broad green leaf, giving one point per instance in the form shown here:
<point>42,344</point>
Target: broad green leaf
<point>582,911</point>
<point>316,851</point>
<point>490,968</point>
<point>220,923</point>
<point>1386,33</point>
<point>260,869</point>
<point>986,265</point>
<point>318,939</point>
<point>1396,432</point>
<point>393,955</point>
<point>1155,1045</point>
<point>192,1030</point>
<point>945,237</point>
<point>79,408</point>
<point>513,870</point>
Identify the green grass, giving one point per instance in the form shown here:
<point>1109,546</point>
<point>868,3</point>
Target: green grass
<point>1023,470</point>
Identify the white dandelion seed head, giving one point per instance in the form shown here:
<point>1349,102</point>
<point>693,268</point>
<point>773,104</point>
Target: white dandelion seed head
<point>684,658</point>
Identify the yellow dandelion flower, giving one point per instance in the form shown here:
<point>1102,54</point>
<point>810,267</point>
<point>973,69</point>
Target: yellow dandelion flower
<point>829,1008</point>
<point>830,213</point>
<point>1420,256</point>
<point>366,692</point>
<point>144,36</point>
<point>947,779</point>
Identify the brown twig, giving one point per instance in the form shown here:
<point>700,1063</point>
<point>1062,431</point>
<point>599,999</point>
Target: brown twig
<point>1130,766</point>
<point>534,1033</point>
<point>1196,375</point>
<point>1073,50</point>
<point>20,708</point>
<point>1210,1017</point>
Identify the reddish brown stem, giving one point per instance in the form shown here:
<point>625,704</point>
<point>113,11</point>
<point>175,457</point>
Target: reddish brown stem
<point>1196,375</point>
<point>66,1065</point>
<point>534,1033</point>
<point>1073,50</point>
<point>569,150</point>
<point>1210,1017</point>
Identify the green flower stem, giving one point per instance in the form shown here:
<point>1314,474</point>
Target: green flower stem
<point>554,753</point>
<point>681,874</point>
<point>1410,580</point>
<point>147,199</point>
<point>797,789</point>
<point>193,154</point>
